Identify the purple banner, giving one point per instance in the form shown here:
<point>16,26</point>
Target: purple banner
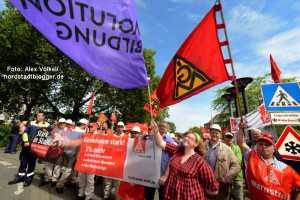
<point>101,36</point>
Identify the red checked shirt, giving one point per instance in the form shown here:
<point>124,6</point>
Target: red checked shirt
<point>186,181</point>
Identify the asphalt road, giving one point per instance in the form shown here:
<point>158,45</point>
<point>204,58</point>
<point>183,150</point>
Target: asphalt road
<point>9,164</point>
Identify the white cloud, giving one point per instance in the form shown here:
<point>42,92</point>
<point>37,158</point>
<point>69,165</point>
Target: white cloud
<point>253,69</point>
<point>193,16</point>
<point>247,22</point>
<point>141,3</point>
<point>284,47</point>
<point>287,73</point>
<point>186,114</point>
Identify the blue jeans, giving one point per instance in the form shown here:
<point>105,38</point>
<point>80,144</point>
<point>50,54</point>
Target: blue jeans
<point>12,143</point>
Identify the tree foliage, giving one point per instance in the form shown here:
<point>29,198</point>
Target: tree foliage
<point>21,45</point>
<point>195,129</point>
<point>171,127</point>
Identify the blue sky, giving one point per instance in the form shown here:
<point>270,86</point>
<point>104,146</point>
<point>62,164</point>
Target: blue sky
<point>256,29</point>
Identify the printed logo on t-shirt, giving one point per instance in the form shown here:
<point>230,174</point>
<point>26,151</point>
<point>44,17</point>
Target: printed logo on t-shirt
<point>272,178</point>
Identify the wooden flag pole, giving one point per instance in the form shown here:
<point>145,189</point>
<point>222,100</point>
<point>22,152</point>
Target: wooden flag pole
<point>149,95</point>
<point>151,113</point>
<point>93,95</point>
<point>232,67</point>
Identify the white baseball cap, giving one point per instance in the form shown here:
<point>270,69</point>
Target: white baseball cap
<point>172,135</point>
<point>228,133</point>
<point>216,126</point>
<point>136,129</point>
<point>120,124</point>
<point>69,121</point>
<point>83,121</point>
<point>62,120</point>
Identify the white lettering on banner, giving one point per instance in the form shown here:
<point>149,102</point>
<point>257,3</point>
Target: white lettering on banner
<point>101,141</point>
<point>107,163</point>
<point>98,156</point>
<point>95,150</point>
<point>98,167</point>
<point>90,160</point>
<point>117,142</point>
<point>95,140</point>
<point>270,191</point>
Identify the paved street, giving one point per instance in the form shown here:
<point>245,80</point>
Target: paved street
<point>9,164</point>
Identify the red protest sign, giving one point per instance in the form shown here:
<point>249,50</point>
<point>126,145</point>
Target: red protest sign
<point>103,155</point>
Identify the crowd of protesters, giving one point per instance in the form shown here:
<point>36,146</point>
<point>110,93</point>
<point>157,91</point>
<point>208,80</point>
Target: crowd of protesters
<point>193,166</point>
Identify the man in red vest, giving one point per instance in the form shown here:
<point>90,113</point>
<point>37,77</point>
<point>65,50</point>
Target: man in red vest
<point>268,178</point>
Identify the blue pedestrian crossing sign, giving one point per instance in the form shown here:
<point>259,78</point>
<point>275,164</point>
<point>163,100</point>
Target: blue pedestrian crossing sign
<point>281,97</point>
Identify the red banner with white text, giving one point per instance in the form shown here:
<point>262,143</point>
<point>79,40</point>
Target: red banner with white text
<point>123,158</point>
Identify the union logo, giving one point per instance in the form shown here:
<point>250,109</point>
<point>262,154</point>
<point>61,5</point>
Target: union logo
<point>188,78</point>
<point>272,178</point>
<point>139,146</point>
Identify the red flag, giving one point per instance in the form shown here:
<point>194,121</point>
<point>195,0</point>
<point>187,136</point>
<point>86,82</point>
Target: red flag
<point>89,110</point>
<point>275,71</point>
<point>154,105</point>
<point>197,65</point>
<point>114,117</point>
<point>102,118</point>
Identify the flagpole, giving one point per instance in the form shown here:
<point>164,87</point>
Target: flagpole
<point>150,98</point>
<point>91,106</point>
<point>151,112</point>
<point>232,67</point>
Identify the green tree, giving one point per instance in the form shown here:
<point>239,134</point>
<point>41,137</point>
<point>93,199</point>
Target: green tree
<point>195,129</point>
<point>171,127</point>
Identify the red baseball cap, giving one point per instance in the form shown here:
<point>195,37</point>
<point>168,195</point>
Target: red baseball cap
<point>93,125</point>
<point>266,136</point>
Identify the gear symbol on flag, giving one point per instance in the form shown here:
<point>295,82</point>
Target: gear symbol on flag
<point>292,147</point>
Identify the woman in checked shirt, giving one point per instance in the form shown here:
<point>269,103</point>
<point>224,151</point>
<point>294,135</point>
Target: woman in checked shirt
<point>190,176</point>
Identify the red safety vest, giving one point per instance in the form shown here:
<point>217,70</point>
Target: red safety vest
<point>267,182</point>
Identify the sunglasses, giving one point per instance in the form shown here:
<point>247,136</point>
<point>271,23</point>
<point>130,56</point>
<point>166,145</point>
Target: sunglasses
<point>189,138</point>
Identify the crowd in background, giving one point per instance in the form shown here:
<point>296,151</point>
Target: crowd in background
<point>193,166</point>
